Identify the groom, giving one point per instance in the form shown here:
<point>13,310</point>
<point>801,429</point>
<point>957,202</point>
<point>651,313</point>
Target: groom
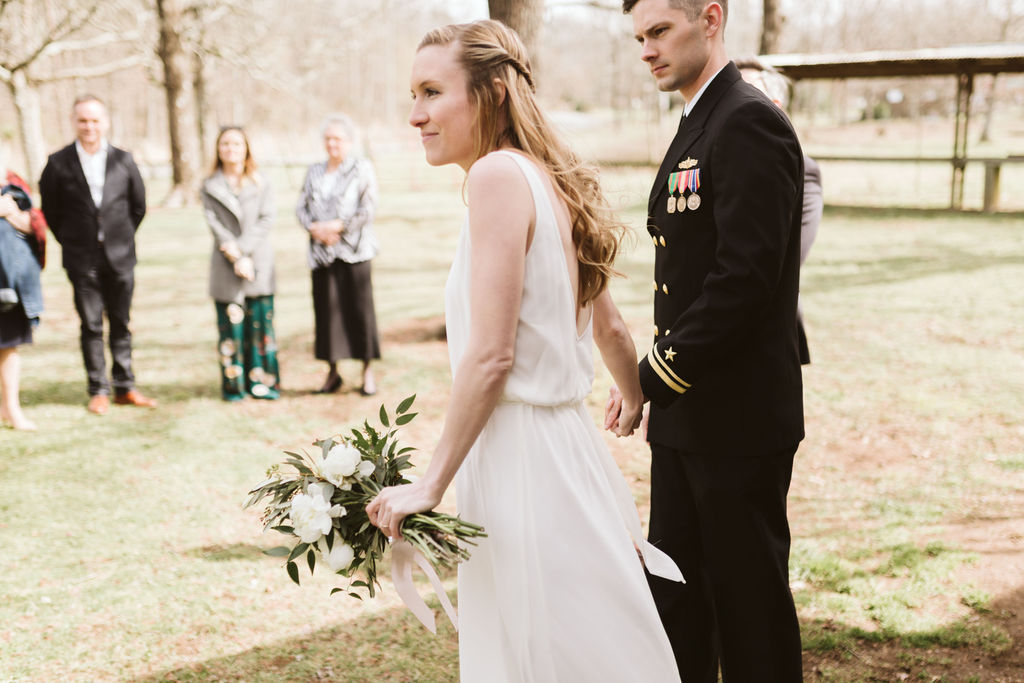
<point>723,376</point>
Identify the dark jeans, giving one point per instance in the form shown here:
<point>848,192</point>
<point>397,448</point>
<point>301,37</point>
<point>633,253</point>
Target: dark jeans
<point>722,518</point>
<point>98,289</point>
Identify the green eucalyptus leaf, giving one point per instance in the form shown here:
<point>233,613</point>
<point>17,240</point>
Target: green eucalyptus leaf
<point>293,572</point>
<point>405,419</point>
<point>357,596</point>
<point>298,550</point>
<point>311,560</point>
<point>405,404</point>
<point>336,590</point>
<point>384,417</point>
<point>283,529</point>
<point>279,551</point>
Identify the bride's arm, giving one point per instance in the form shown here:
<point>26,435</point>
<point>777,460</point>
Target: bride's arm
<point>619,353</point>
<point>500,217</point>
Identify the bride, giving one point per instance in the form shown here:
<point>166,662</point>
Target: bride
<point>556,591</point>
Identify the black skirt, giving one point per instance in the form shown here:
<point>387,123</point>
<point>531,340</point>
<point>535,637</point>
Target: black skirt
<point>15,329</point>
<point>346,323</point>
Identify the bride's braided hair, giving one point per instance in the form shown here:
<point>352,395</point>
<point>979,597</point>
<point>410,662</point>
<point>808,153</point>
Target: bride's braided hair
<point>489,50</point>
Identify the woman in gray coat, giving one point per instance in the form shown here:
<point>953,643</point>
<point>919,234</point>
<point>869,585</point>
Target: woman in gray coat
<point>239,209</point>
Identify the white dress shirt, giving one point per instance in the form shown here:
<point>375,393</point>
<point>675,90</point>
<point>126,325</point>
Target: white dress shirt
<point>95,168</point>
<point>693,103</point>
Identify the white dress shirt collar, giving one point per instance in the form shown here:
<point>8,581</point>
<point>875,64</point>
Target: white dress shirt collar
<point>693,103</point>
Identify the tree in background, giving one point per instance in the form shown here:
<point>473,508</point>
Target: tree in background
<point>771,27</point>
<point>181,105</point>
<point>522,15</point>
<point>38,39</point>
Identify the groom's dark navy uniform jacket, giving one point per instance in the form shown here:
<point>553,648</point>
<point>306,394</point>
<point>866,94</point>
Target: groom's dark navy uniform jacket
<point>724,371</point>
<point>723,377</point>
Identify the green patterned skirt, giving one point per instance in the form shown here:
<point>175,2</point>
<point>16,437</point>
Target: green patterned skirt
<point>248,349</point>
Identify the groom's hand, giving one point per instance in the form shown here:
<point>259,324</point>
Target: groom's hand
<point>613,409</point>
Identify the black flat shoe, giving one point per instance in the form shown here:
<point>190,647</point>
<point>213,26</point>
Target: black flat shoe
<point>331,385</point>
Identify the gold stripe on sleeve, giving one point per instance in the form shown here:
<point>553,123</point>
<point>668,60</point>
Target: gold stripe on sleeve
<point>656,366</point>
<point>669,370</point>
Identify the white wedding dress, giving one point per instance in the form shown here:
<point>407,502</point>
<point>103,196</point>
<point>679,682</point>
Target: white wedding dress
<point>556,591</point>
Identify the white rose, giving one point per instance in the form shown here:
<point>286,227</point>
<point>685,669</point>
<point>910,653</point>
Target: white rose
<point>365,468</point>
<point>339,556</point>
<point>312,513</point>
<point>310,516</point>
<point>341,461</point>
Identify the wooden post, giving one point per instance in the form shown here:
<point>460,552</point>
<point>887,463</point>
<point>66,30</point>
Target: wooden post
<point>964,88</point>
<point>991,202</point>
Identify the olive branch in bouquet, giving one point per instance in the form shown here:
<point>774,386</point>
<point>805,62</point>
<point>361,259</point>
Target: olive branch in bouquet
<point>322,501</point>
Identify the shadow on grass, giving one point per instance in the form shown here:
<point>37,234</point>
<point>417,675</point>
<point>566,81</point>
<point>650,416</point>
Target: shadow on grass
<point>875,212</point>
<point>978,646</point>
<point>385,646</point>
<point>984,646</point>
<point>225,552</point>
<point>842,274</point>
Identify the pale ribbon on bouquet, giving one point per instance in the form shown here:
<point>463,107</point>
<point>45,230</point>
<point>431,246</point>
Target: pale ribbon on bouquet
<point>403,557</point>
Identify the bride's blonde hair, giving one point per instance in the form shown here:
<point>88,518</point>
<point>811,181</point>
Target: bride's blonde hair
<point>489,50</point>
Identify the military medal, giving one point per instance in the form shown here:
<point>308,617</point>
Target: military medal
<point>673,185</point>
<point>693,184</point>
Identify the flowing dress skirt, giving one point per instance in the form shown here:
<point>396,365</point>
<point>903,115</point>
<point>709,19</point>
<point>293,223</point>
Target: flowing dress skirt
<point>556,592</point>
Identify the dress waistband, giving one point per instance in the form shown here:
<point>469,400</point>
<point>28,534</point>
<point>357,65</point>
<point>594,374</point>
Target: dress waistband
<point>572,403</point>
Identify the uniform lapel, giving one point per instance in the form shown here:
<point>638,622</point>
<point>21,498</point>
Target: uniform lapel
<point>691,128</point>
<point>688,133</point>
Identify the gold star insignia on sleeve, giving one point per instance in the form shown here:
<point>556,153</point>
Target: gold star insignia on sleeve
<point>670,355</point>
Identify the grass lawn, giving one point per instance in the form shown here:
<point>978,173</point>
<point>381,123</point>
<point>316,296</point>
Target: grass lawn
<point>128,556</point>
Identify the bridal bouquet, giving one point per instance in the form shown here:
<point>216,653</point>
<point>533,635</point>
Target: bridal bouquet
<point>322,500</point>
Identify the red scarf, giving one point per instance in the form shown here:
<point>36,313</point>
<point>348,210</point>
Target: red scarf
<point>37,221</point>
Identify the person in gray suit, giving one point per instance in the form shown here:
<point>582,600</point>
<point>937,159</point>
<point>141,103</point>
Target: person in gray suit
<point>779,90</point>
<point>239,208</point>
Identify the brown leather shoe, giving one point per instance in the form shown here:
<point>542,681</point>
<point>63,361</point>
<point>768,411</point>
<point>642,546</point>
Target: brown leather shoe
<point>99,404</point>
<point>134,398</point>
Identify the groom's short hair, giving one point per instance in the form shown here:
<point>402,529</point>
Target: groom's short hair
<point>691,7</point>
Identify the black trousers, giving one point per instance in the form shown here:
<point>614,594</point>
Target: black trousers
<point>346,320</point>
<point>100,289</point>
<point>722,518</point>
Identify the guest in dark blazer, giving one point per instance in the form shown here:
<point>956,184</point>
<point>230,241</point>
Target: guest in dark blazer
<point>723,374</point>
<point>779,90</point>
<point>93,198</point>
<point>336,207</point>
<point>239,208</point>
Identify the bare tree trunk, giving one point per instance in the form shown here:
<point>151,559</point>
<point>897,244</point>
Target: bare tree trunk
<point>202,106</point>
<point>180,103</point>
<point>524,17</point>
<point>26,102</point>
<point>771,27</point>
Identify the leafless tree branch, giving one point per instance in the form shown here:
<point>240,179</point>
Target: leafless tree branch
<point>67,26</point>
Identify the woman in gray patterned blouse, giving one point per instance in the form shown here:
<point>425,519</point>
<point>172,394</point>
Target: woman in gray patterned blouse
<point>336,208</point>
